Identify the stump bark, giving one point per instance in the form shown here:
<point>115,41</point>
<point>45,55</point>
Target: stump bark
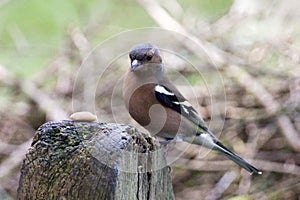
<point>90,160</point>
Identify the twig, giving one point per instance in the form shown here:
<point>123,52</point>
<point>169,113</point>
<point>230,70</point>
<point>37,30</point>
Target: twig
<point>280,156</point>
<point>14,159</point>
<point>3,2</point>
<point>251,147</point>
<point>50,106</point>
<point>214,55</point>
<point>6,77</point>
<point>87,69</point>
<point>225,165</point>
<point>7,148</point>
<point>80,41</point>
<point>222,185</point>
<point>267,100</point>
<point>277,167</point>
<point>220,58</point>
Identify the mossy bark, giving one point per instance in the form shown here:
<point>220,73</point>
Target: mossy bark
<point>89,160</point>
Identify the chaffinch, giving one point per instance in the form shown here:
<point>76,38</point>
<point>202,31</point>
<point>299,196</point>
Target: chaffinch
<point>158,106</point>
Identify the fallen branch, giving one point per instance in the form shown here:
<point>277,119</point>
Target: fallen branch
<point>220,59</point>
<point>266,99</point>
<point>45,102</point>
<point>222,185</point>
<point>15,158</point>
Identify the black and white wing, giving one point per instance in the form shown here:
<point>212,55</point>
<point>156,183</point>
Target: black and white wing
<point>178,103</point>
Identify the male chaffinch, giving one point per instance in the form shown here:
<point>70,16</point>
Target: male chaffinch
<point>158,106</point>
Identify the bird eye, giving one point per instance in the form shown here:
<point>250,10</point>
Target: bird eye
<point>149,57</point>
<point>149,54</point>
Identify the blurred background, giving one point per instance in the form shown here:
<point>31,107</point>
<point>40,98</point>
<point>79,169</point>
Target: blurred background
<point>237,61</point>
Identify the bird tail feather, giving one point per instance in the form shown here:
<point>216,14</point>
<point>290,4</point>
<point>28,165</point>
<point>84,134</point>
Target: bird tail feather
<point>235,158</point>
<point>207,139</point>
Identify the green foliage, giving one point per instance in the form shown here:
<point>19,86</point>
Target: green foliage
<point>208,8</point>
<point>32,31</point>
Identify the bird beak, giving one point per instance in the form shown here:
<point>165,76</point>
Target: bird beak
<point>135,63</point>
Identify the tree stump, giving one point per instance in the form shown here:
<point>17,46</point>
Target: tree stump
<point>90,160</point>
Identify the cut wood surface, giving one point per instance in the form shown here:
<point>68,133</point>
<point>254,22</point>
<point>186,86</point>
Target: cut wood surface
<point>90,160</point>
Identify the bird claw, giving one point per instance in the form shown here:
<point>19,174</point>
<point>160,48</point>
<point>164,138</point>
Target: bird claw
<point>165,142</point>
<point>165,145</point>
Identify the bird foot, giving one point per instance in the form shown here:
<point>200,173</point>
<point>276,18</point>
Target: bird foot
<point>165,145</point>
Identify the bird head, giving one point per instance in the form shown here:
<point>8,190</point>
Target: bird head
<point>145,56</point>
